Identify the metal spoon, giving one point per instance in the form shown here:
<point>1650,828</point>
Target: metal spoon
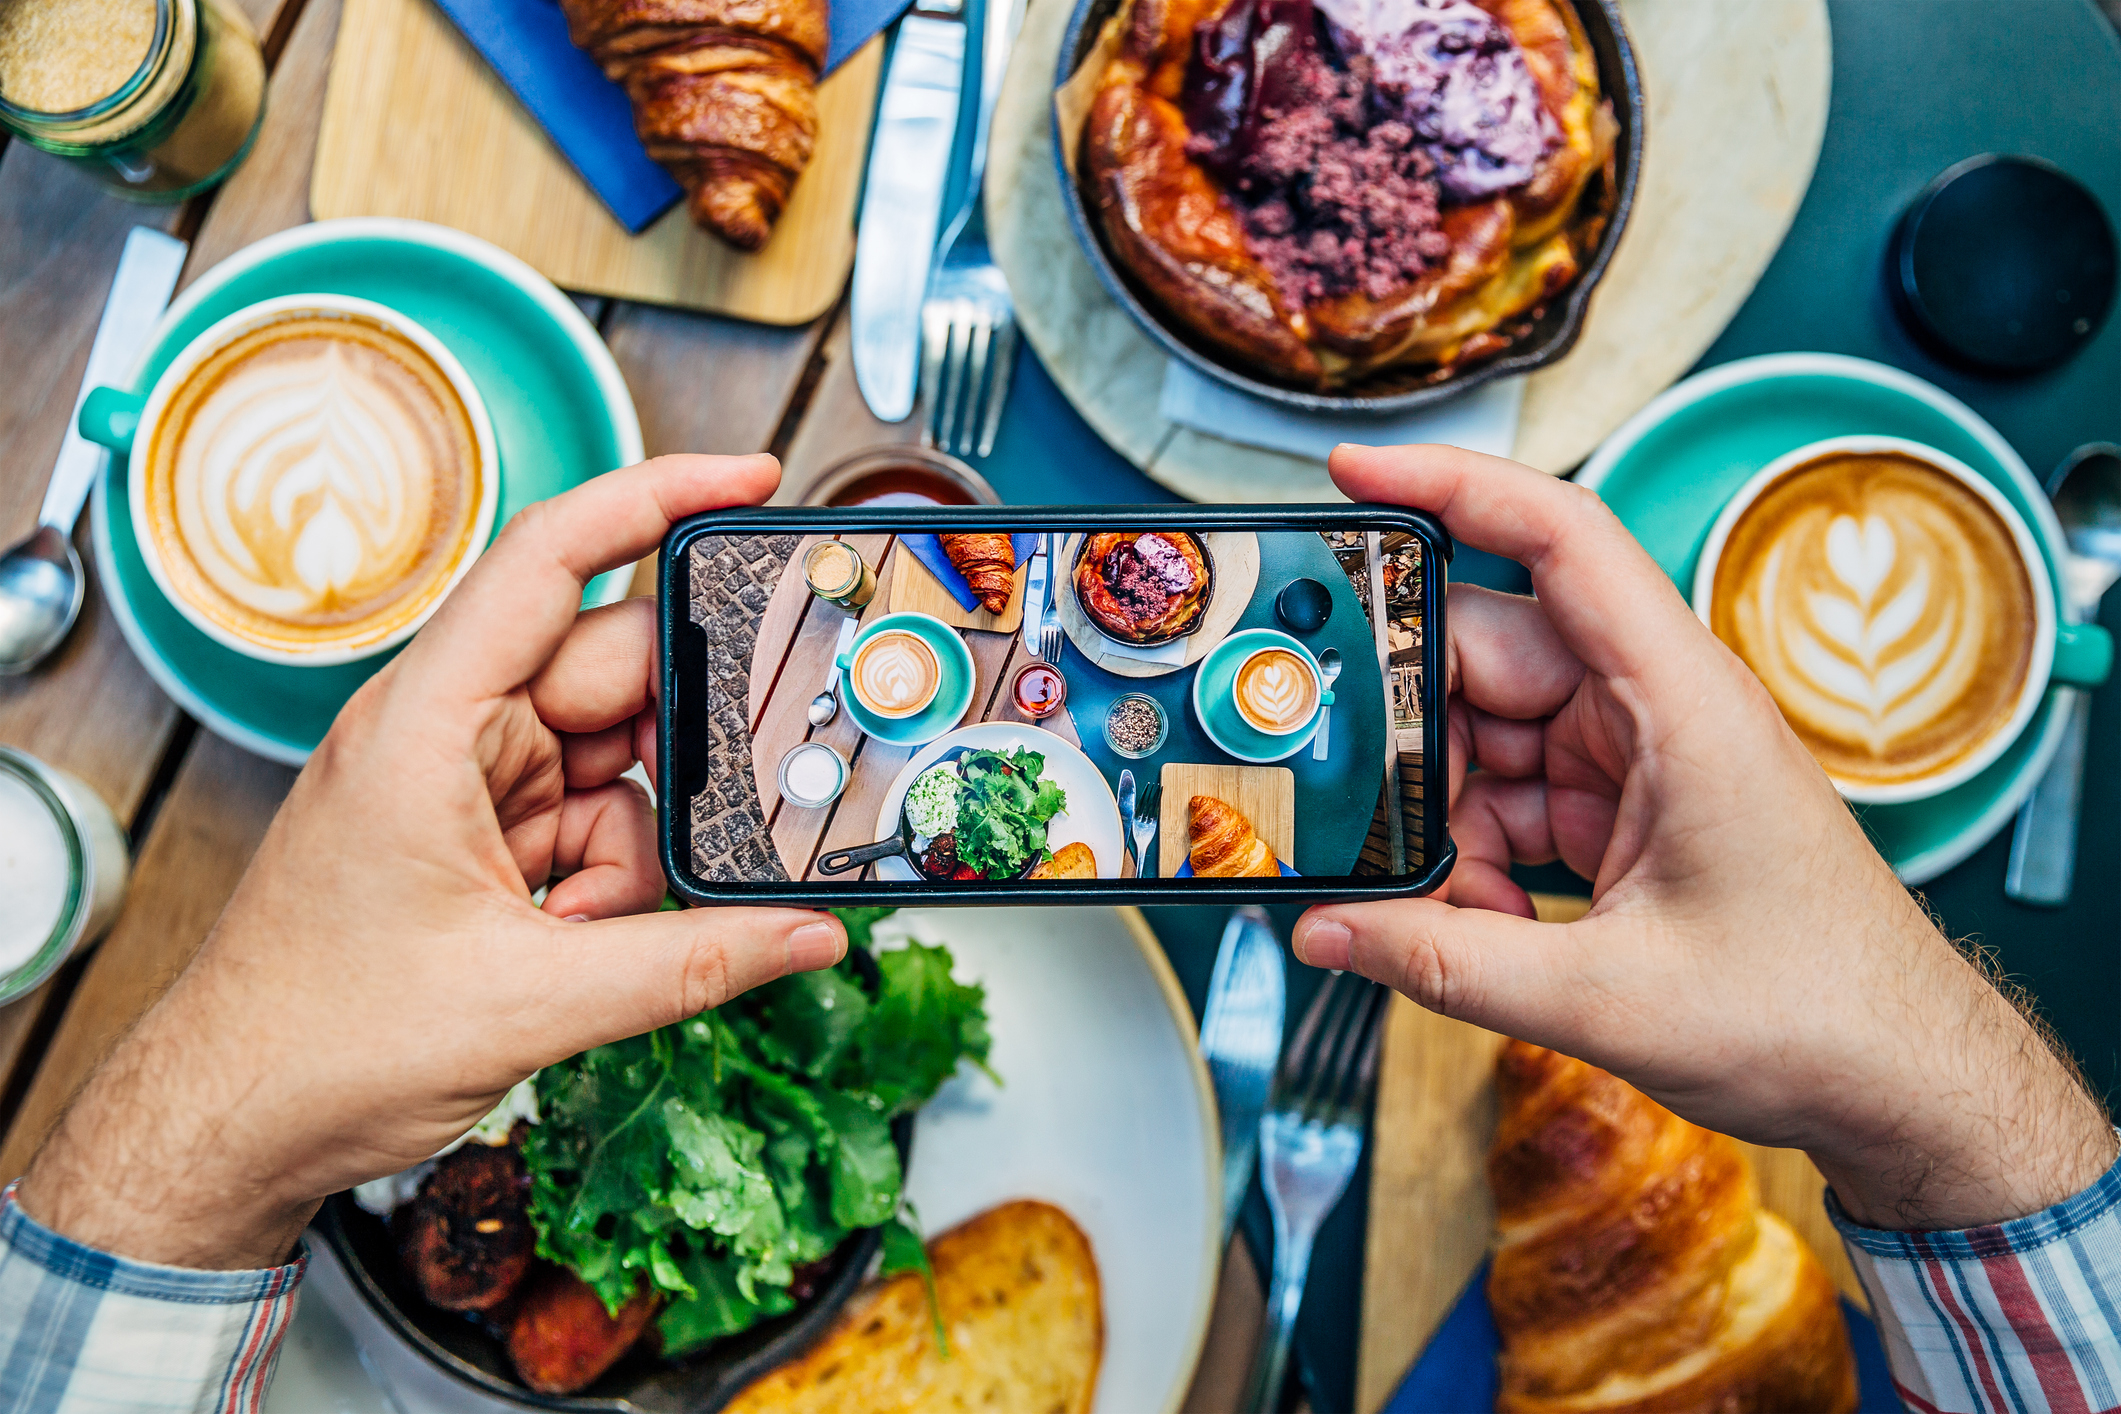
<point>41,579</point>
<point>826,705</point>
<point>2087,492</point>
<point>1328,669</point>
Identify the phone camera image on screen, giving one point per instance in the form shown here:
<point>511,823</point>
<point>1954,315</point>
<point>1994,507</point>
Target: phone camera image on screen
<point>999,707</point>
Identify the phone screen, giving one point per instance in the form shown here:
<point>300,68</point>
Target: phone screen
<point>1146,706</point>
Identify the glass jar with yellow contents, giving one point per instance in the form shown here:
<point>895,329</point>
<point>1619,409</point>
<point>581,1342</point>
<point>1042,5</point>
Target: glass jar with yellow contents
<point>157,99</point>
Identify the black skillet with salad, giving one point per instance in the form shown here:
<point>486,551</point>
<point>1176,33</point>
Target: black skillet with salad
<point>983,815</point>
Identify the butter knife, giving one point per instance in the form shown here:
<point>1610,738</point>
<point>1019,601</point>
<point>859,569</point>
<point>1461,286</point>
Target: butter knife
<point>1126,814</point>
<point>1240,1038</point>
<point>1035,599</point>
<point>902,203</point>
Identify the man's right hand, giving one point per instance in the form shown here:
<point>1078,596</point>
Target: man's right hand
<point>1749,960</point>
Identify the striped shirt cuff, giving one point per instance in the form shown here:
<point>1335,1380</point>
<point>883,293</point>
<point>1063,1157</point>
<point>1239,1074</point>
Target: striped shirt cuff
<point>83,1330</point>
<point>2019,1316</point>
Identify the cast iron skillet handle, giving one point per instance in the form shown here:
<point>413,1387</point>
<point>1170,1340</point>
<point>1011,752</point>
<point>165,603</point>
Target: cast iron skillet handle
<point>840,861</point>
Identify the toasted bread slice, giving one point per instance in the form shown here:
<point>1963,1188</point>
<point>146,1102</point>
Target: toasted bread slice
<point>1019,1291</point>
<point>1070,861</point>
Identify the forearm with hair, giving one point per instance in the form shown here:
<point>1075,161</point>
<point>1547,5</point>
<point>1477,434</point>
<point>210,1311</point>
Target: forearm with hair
<point>1982,1117</point>
<point>129,1172</point>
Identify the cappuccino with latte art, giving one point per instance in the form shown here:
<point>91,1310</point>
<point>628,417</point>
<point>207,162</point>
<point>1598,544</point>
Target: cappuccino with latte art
<point>1890,608</point>
<point>314,481</point>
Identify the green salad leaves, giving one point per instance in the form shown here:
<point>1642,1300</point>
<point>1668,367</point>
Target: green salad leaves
<point>1002,810</point>
<point>710,1159</point>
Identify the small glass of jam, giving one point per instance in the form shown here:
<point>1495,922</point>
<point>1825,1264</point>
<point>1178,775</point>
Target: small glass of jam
<point>1039,690</point>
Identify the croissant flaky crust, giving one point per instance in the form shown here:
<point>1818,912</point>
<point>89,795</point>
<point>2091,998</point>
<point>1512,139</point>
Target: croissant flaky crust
<point>724,95</point>
<point>1224,844</point>
<point>1636,1270</point>
<point>988,563</point>
<point>1172,226</point>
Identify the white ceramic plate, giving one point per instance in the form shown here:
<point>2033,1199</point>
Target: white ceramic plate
<point>1090,817</point>
<point>1104,1111</point>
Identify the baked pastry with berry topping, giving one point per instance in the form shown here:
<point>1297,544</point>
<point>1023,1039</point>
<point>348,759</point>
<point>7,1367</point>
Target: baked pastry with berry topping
<point>1321,192</point>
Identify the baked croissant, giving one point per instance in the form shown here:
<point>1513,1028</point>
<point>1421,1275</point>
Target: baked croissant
<point>1224,844</point>
<point>724,95</point>
<point>988,563</point>
<point>1636,1270</point>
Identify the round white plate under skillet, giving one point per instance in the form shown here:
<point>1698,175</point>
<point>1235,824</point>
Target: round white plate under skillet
<point>1104,1111</point>
<point>1738,103</point>
<point>1091,816</point>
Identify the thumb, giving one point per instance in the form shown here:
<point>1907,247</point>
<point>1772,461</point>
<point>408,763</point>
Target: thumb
<point>1505,973</point>
<point>601,981</point>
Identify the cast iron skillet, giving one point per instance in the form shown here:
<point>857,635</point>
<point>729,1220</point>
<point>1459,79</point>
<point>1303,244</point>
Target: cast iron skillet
<point>463,1348</point>
<point>1552,334</point>
<point>841,861</point>
<point>1200,609</point>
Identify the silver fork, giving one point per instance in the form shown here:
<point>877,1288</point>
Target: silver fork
<point>1049,643</point>
<point>968,321</point>
<point>1144,823</point>
<point>1309,1142</point>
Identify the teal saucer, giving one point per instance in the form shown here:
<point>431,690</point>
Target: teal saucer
<point>1230,731</point>
<point>1669,470</point>
<point>951,698</point>
<point>561,415</point>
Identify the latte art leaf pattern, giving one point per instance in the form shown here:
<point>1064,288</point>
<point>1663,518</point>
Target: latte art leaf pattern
<point>1884,609</point>
<point>319,486</point>
<point>896,673</point>
<point>1274,691</point>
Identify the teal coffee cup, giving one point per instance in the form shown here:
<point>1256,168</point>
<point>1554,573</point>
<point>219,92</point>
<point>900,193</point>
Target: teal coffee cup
<point>1891,631</point>
<point>907,678</point>
<point>1215,705</point>
<point>284,509</point>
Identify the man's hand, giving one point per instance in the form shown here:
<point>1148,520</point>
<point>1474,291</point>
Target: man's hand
<point>381,977</point>
<point>1749,960</point>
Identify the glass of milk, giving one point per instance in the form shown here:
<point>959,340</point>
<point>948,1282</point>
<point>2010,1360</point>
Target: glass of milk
<point>63,867</point>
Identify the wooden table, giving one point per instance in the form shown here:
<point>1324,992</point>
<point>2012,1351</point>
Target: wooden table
<point>791,664</point>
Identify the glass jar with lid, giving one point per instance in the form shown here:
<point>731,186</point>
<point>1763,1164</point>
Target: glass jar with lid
<point>156,99</point>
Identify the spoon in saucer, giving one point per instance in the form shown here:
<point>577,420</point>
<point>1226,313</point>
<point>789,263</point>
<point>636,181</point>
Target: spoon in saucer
<point>826,705</point>
<point>42,582</point>
<point>1329,670</point>
<point>2087,493</point>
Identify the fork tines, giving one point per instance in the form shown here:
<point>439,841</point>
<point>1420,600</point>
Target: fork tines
<point>967,351</point>
<point>1330,1070</point>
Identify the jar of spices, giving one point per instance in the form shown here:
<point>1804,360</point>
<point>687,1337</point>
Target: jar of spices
<point>837,574</point>
<point>156,99</point>
<point>1136,726</point>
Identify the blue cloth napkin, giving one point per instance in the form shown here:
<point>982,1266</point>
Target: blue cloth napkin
<point>1457,1371</point>
<point>586,115</point>
<point>929,551</point>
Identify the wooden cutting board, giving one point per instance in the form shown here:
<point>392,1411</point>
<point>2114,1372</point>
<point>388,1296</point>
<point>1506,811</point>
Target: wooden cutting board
<point>1431,1218</point>
<point>417,125</point>
<point>1265,795</point>
<point>915,589</point>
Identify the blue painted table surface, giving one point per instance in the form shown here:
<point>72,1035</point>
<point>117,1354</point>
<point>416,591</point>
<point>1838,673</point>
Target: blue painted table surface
<point>1336,797</point>
<point>1918,85</point>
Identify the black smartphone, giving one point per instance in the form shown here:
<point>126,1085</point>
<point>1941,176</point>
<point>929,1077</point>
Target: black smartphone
<point>1112,704</point>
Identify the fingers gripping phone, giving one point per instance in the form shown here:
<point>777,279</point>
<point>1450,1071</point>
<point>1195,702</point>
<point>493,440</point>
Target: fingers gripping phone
<point>1122,704</point>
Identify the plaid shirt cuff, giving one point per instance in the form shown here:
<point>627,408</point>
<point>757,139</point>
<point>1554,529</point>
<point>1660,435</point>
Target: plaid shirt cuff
<point>82,1330</point>
<point>2019,1316</point>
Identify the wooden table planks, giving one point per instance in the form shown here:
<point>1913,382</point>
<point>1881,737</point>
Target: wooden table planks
<point>792,663</point>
